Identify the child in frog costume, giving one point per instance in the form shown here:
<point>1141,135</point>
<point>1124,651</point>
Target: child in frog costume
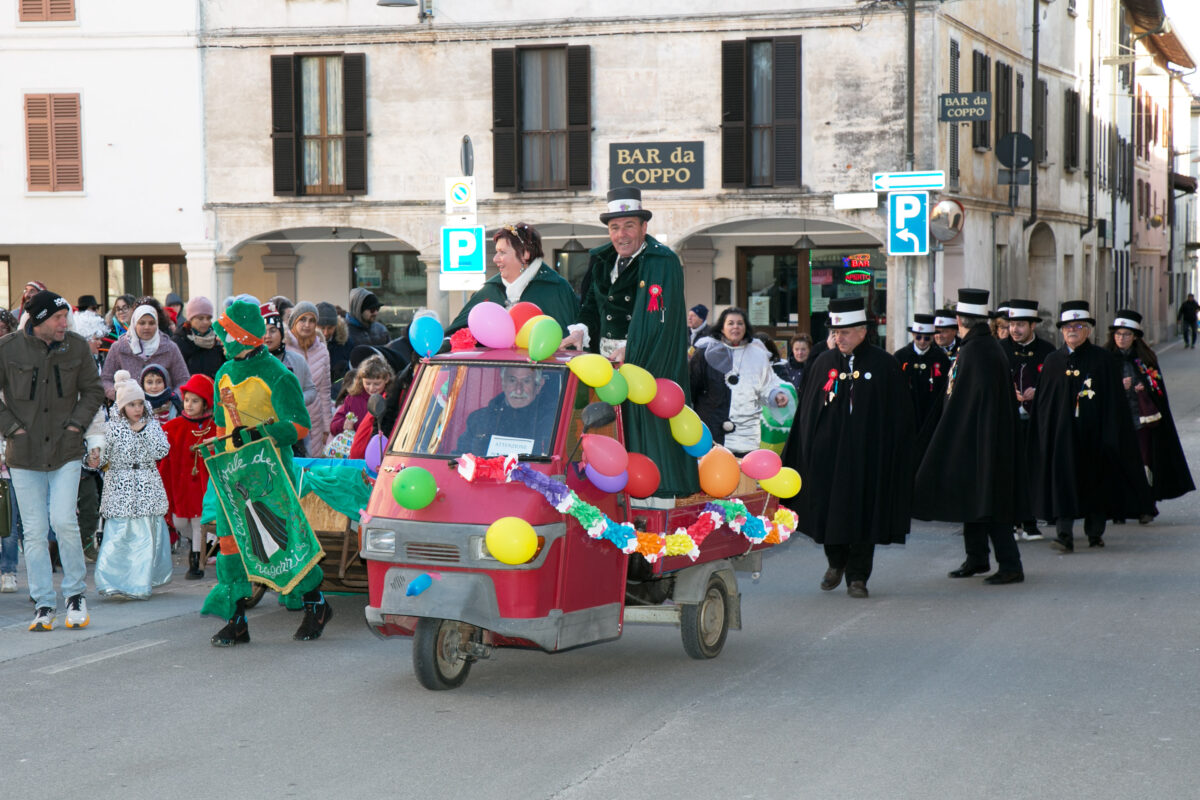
<point>251,387</point>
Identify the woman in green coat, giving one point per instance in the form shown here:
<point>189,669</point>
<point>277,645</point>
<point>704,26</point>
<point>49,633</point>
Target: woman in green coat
<point>523,277</point>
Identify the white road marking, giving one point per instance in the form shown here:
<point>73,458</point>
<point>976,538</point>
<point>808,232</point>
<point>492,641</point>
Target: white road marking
<point>103,655</point>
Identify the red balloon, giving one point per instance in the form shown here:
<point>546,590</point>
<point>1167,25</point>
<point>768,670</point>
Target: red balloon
<point>523,312</point>
<point>668,400</point>
<point>644,476</point>
<point>605,455</point>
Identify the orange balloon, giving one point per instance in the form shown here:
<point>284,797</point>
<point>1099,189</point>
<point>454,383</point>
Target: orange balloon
<point>719,472</point>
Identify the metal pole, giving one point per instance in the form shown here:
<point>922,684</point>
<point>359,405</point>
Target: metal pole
<point>1038,119</point>
<point>910,155</point>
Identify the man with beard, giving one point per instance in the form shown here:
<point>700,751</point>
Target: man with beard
<point>925,367</point>
<point>852,443</point>
<point>974,448</point>
<point>1088,460</point>
<point>1026,351</point>
<point>945,332</point>
<point>512,415</point>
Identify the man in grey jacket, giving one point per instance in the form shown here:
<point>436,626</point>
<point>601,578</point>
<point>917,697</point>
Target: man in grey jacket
<point>50,392</point>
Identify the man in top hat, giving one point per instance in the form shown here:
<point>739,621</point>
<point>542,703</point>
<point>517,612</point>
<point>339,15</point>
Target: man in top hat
<point>852,443</point>
<point>697,322</point>
<point>925,367</point>
<point>1026,351</point>
<point>634,312</point>
<point>87,302</point>
<point>967,474</point>
<point>945,331</point>
<point>1088,460</point>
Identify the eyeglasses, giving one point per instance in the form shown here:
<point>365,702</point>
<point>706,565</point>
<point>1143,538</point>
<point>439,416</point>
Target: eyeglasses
<point>1077,326</point>
<point>922,336</point>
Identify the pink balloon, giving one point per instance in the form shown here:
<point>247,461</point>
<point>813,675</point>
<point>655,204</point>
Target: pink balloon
<point>605,455</point>
<point>491,325</point>
<point>761,464</point>
<point>606,483</point>
<point>668,400</point>
<point>374,454</point>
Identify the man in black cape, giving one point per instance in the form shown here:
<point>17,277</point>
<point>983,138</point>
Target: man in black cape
<point>925,367</point>
<point>968,473</point>
<point>945,331</point>
<point>852,443</point>
<point>1026,352</point>
<point>1088,460</point>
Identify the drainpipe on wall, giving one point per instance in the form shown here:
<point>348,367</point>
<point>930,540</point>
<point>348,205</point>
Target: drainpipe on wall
<point>1091,117</point>
<point>1035,118</point>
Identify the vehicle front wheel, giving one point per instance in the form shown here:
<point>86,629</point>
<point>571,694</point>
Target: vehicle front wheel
<point>438,659</point>
<point>705,625</point>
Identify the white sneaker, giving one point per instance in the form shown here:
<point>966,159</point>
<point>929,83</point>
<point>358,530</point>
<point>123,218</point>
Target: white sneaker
<point>8,582</point>
<point>77,613</point>
<point>43,619</point>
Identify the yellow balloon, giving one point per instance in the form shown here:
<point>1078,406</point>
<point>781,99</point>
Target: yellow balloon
<point>785,483</point>
<point>593,369</point>
<point>686,428</point>
<point>511,540</point>
<point>642,387</point>
<point>523,334</point>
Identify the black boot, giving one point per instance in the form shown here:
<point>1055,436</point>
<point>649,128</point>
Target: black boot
<point>237,631</point>
<point>317,613</point>
<point>194,572</point>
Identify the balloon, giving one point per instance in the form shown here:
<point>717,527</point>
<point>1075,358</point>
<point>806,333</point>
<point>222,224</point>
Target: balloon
<point>761,464</point>
<point>523,312</point>
<point>685,427</point>
<point>606,483</point>
<point>491,325</point>
<point>703,446</point>
<point>641,384</point>
<point>374,456</point>
<point>605,454</point>
<point>425,335</point>
<point>511,540</point>
<point>523,332</point>
<point>544,338</point>
<point>719,473</point>
<point>784,484</point>
<point>644,476</point>
<point>668,399</point>
<point>418,585</point>
<point>414,488</point>
<point>593,369</point>
<point>615,391</point>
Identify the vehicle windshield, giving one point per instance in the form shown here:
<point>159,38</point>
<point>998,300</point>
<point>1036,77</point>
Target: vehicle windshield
<point>484,409</point>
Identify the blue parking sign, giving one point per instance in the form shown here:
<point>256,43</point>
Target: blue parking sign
<point>908,223</point>
<point>464,258</point>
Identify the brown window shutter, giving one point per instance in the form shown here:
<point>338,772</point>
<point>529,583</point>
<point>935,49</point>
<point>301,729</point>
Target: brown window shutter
<point>283,124</point>
<point>60,10</point>
<point>504,120</point>
<point>68,142</point>
<point>39,167</point>
<point>787,111</point>
<point>354,96</point>
<point>33,10</point>
<point>733,114</point>
<point>579,117</point>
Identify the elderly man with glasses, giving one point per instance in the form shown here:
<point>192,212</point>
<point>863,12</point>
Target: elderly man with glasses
<point>1088,462</point>
<point>925,367</point>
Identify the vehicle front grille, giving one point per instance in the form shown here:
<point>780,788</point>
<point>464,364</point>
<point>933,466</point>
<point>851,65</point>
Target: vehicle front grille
<point>424,552</point>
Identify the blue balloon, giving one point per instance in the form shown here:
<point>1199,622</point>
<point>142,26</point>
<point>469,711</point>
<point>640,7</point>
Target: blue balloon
<point>425,335</point>
<point>701,447</point>
<point>418,584</point>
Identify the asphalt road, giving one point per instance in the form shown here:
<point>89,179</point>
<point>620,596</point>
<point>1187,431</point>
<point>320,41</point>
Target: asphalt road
<point>1079,683</point>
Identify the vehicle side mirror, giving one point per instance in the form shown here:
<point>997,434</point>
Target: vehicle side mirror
<point>597,415</point>
<point>377,404</point>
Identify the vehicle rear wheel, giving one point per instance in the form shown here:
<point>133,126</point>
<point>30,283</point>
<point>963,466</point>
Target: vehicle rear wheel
<point>437,659</point>
<point>705,625</point>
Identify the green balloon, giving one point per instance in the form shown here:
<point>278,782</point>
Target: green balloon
<point>414,488</point>
<point>544,339</point>
<point>615,391</point>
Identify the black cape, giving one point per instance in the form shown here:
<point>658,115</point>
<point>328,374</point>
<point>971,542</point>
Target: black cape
<point>853,451</point>
<point>1025,366</point>
<point>926,375</point>
<point>967,474</point>
<point>1169,473</point>
<point>1088,459</point>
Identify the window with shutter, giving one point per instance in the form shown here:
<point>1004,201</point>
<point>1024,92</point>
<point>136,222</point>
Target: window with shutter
<point>53,143</point>
<point>319,124</point>
<point>541,118</point>
<point>953,128</point>
<point>1071,132</point>
<point>1041,95</point>
<point>1002,100</point>
<point>46,10</point>
<point>761,83</point>
<point>980,79</point>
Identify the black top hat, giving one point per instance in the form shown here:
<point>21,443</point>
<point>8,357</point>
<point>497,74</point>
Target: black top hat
<point>922,323</point>
<point>1075,311</point>
<point>1128,319</point>
<point>87,301</point>
<point>941,316</point>
<point>626,202</point>
<point>847,312</point>
<point>972,303</point>
<point>1023,310</point>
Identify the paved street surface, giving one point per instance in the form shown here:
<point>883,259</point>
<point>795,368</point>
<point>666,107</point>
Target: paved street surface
<point>1083,682</point>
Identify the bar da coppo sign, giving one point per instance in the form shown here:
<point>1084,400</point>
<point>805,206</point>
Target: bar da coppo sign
<point>965,107</point>
<point>657,165</point>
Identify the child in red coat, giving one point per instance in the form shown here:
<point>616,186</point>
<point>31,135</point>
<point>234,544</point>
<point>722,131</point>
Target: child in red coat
<point>183,471</point>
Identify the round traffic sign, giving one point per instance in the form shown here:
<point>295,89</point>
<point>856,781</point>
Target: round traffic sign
<point>1014,150</point>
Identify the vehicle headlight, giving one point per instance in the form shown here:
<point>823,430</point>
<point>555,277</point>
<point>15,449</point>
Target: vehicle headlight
<point>381,540</point>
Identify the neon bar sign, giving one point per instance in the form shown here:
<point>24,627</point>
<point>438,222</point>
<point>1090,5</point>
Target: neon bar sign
<point>858,268</point>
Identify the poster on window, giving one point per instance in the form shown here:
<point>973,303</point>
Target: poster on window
<point>760,310</point>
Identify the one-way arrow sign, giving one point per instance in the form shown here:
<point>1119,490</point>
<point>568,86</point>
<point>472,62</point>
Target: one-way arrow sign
<point>908,181</point>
